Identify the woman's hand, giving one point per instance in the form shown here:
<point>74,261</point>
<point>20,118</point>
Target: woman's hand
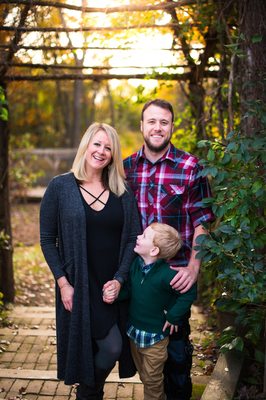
<point>67,294</point>
<point>111,291</point>
<point>173,328</point>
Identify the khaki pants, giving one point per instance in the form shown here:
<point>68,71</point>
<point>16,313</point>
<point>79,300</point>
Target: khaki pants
<point>150,364</point>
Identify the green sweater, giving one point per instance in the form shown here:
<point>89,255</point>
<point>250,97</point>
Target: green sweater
<point>151,295</point>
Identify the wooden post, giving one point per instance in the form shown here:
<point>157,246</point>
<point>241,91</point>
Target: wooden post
<point>6,263</point>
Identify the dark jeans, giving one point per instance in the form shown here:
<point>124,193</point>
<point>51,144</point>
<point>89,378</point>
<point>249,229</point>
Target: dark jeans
<point>177,380</point>
<point>107,352</point>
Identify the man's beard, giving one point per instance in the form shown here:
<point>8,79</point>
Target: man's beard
<point>157,149</point>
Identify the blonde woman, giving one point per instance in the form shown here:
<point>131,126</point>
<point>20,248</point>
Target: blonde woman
<point>89,223</point>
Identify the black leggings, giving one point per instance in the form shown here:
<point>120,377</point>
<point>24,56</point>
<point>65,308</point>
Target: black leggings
<point>109,349</point>
<point>106,354</point>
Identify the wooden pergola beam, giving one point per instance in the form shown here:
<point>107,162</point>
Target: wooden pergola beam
<point>86,28</point>
<point>63,48</point>
<point>105,10</point>
<point>102,77</point>
<point>80,67</point>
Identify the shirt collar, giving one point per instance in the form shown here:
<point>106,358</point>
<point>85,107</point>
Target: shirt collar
<point>169,155</point>
<point>145,268</point>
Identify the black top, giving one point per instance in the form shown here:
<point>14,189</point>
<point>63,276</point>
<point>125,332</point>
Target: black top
<point>104,230</point>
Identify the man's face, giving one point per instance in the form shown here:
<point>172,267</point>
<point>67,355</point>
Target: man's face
<point>157,128</point>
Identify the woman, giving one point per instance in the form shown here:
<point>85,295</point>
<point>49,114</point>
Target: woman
<point>89,223</point>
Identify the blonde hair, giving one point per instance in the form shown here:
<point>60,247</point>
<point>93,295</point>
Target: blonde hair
<point>113,176</point>
<point>167,239</point>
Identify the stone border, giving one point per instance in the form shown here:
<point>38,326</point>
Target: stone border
<point>51,375</point>
<point>225,376</point>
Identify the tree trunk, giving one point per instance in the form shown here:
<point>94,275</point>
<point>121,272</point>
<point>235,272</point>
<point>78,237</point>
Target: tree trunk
<point>64,107</point>
<point>77,97</point>
<point>197,102</point>
<point>6,263</point>
<point>252,73</point>
<point>112,106</point>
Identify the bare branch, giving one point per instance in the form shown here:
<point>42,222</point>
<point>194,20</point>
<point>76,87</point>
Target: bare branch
<point>231,93</point>
<point>15,41</point>
<point>177,29</point>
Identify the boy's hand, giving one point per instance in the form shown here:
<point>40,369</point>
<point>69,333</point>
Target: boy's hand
<point>111,291</point>
<point>173,328</point>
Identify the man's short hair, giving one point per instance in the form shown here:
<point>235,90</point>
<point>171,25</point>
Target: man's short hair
<point>158,103</point>
<point>167,239</point>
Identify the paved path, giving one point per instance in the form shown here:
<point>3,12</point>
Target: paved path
<point>28,360</point>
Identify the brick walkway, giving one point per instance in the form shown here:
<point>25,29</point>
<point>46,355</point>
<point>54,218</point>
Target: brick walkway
<point>28,360</point>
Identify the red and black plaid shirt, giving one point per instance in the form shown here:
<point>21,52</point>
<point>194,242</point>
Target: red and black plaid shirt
<point>170,191</point>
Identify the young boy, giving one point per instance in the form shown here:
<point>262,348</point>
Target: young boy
<point>155,308</point>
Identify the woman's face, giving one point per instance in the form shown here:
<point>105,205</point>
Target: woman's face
<point>99,153</point>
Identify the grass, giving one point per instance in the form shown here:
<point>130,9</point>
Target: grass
<point>197,391</point>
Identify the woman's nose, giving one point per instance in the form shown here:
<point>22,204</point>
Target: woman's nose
<point>101,149</point>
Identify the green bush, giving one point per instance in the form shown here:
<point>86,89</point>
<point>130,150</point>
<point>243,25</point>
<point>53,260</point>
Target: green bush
<point>233,251</point>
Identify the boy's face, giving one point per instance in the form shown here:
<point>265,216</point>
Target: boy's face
<point>144,243</point>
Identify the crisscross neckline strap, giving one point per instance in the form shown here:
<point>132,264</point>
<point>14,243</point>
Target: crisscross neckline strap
<point>92,195</point>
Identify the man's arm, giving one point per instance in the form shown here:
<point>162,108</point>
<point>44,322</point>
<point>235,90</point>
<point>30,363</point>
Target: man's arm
<point>187,276</point>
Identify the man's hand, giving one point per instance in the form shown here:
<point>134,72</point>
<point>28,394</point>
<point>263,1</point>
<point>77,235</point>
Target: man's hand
<point>187,276</point>
<point>184,278</point>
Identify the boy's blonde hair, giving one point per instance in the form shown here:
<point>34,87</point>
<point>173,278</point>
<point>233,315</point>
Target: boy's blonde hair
<point>113,174</point>
<point>167,239</point>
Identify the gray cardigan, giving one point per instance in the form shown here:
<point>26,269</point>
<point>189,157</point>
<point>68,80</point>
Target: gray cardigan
<point>63,242</point>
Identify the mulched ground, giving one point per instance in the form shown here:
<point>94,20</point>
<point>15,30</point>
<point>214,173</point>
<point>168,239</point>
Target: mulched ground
<point>25,223</point>
<point>34,283</point>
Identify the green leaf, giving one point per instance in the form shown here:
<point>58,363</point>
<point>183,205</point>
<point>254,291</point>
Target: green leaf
<point>3,114</point>
<point>203,143</point>
<point>211,155</point>
<point>232,146</point>
<point>256,186</point>
<point>232,244</point>
<point>230,135</point>
<point>226,229</point>
<point>213,171</point>
<point>226,158</point>
<point>208,200</point>
<point>237,344</point>
<point>256,38</point>
<point>259,356</point>
<point>201,238</point>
